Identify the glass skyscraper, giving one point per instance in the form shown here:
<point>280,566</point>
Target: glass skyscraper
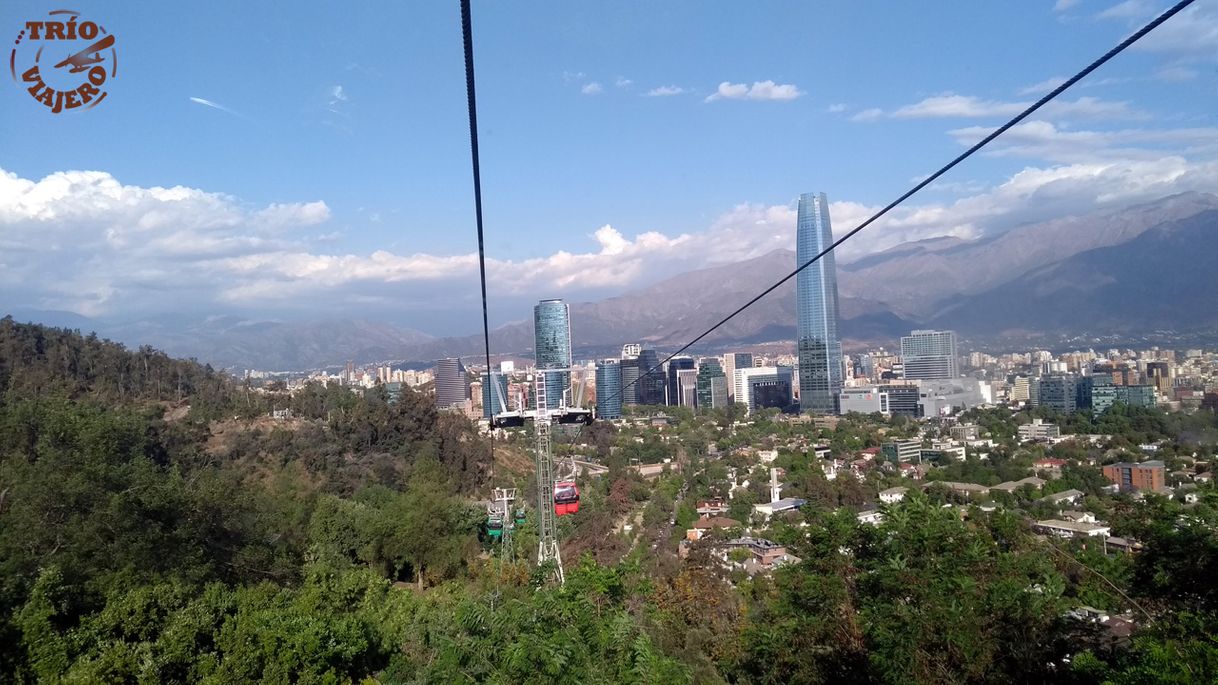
<point>552,343</point>
<point>491,402</point>
<point>712,385</point>
<point>630,377</point>
<point>609,389</point>
<point>652,385</point>
<point>674,387</point>
<point>451,386</point>
<point>818,344</point>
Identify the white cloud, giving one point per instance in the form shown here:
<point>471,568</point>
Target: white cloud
<point>213,105</point>
<point>1129,9</point>
<point>951,105</point>
<point>870,114</point>
<point>836,108</point>
<point>760,90</point>
<point>337,95</point>
<point>1063,5</point>
<point>1041,140</point>
<point>1043,87</point>
<point>1176,73</point>
<point>89,243</point>
<point>593,88</point>
<point>1193,33</point>
<point>84,242</point>
<point>664,91</point>
<point>623,82</point>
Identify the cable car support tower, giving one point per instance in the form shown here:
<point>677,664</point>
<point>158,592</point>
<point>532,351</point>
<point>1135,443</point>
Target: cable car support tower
<point>547,521</point>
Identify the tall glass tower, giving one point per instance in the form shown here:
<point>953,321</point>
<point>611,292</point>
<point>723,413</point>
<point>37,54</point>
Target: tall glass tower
<point>609,389</point>
<point>552,343</point>
<point>451,386</point>
<point>674,386</point>
<point>818,345</point>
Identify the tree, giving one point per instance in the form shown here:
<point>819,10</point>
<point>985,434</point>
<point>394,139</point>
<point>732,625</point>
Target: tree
<point>427,528</point>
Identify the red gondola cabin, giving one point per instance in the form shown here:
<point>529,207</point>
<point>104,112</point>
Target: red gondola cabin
<point>566,498</point>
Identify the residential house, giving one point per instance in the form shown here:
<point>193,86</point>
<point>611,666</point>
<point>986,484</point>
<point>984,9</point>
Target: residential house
<point>765,555</point>
<point>1051,466</point>
<point>705,525</point>
<point>1064,497</point>
<point>1072,529</point>
<point>870,516</point>
<point>968,489</point>
<point>893,495</point>
<point>1012,485</point>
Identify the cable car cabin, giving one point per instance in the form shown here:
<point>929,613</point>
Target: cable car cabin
<point>566,498</point>
<point>520,517</point>
<point>494,527</point>
<point>575,415</point>
<point>508,420</point>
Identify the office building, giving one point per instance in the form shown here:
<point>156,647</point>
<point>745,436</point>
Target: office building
<point>929,355</point>
<point>903,400</point>
<point>687,388</point>
<point>1158,374</point>
<point>902,451</point>
<point>764,387</point>
<point>609,389</point>
<point>1058,392</point>
<point>675,365</point>
<point>731,362</point>
<point>630,374</point>
<point>1019,389</point>
<point>712,385</point>
<point>945,397</point>
<point>494,402</point>
<point>864,400</point>
<point>1039,430</point>
<point>451,386</point>
<point>817,343</point>
<point>1096,392</point>
<point>651,386</point>
<point>1121,372</point>
<point>1136,395</point>
<point>552,345</point>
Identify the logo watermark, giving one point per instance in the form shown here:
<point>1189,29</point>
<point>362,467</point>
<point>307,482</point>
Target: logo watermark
<point>64,61</point>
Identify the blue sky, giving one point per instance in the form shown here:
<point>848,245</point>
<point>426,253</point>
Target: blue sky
<point>330,173</point>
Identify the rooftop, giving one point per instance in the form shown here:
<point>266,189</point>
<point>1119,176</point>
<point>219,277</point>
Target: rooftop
<point>1072,526</point>
<point>717,522</point>
<point>1063,495</point>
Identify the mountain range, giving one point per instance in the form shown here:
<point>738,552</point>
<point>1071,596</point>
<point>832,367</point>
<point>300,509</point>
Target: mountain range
<point>1140,267</point>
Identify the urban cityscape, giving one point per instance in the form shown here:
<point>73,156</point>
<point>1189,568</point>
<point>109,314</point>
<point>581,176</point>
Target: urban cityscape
<point>927,376</point>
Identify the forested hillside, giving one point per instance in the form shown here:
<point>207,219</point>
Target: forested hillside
<point>154,527</point>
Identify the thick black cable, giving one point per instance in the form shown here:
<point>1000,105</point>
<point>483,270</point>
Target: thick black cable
<point>467,32</point>
<point>930,179</point>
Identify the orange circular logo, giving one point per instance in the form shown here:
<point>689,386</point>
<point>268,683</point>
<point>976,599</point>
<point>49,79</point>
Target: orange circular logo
<point>63,61</point>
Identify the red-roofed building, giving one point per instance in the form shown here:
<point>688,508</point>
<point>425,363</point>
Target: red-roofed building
<point>1051,465</point>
